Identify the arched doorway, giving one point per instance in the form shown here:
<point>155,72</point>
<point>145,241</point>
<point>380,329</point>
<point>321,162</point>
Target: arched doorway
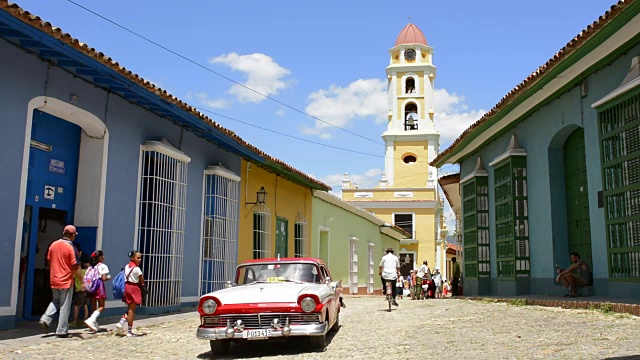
<point>63,181</point>
<point>577,196</point>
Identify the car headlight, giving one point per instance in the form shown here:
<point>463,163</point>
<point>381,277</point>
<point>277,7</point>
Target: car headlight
<point>308,304</point>
<point>209,306</point>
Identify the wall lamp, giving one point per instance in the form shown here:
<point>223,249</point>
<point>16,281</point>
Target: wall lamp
<point>261,196</point>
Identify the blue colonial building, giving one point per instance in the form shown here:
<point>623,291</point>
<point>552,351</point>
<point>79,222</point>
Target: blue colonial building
<point>86,141</point>
<point>554,168</point>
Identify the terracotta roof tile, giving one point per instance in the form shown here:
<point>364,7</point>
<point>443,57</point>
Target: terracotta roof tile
<point>568,49</point>
<point>46,27</point>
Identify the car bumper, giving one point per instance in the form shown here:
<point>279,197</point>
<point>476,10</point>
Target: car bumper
<point>219,333</point>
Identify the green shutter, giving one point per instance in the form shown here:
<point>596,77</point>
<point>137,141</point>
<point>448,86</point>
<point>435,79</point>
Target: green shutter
<point>476,227</point>
<point>512,223</point>
<point>619,129</point>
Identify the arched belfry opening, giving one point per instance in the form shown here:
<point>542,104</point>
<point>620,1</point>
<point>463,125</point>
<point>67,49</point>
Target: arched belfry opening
<point>411,116</point>
<point>410,86</point>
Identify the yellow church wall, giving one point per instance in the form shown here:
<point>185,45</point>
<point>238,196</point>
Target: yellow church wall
<point>395,57</point>
<point>414,175</point>
<point>284,199</point>
<point>389,194</point>
<point>424,231</point>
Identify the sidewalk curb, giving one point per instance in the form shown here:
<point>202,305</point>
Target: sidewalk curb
<point>11,345</point>
<point>621,308</point>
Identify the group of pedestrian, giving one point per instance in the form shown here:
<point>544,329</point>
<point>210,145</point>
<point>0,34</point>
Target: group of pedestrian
<point>422,283</point>
<point>74,281</point>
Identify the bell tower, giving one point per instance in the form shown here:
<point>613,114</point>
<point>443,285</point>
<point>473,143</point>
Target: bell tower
<point>407,194</point>
<point>411,139</point>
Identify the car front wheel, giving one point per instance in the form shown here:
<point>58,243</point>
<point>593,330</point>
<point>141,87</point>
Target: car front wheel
<point>318,341</point>
<point>336,325</point>
<point>219,347</point>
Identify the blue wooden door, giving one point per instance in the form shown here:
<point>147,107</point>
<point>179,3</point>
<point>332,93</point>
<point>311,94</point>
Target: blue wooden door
<point>51,184</point>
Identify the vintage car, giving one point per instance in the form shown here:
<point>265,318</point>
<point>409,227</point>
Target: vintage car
<point>272,298</point>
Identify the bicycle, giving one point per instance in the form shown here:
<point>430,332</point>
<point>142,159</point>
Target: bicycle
<point>389,293</point>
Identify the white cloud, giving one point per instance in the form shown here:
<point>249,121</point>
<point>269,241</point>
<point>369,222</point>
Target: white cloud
<point>280,112</point>
<point>262,74</point>
<point>341,105</point>
<point>368,179</point>
<point>364,98</point>
<point>204,99</point>
<point>452,116</point>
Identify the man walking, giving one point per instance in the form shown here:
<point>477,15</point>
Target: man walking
<point>389,271</point>
<point>63,266</point>
<point>455,278</point>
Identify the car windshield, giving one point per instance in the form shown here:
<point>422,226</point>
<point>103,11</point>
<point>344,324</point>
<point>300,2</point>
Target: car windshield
<point>278,272</point>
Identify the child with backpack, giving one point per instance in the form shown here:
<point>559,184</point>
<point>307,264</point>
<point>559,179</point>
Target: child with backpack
<point>94,280</point>
<point>134,281</point>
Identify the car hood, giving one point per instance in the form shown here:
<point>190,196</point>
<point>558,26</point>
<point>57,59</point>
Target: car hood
<point>265,293</point>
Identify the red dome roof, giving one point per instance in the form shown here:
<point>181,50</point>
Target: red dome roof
<point>411,35</point>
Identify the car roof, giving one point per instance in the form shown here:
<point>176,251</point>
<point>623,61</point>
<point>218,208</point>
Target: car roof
<point>283,260</point>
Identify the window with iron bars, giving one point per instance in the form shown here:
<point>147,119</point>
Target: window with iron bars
<point>220,228</point>
<point>261,232</point>
<point>161,220</point>
<point>353,265</point>
<point>300,238</point>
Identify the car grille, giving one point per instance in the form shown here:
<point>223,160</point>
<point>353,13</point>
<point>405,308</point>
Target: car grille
<point>262,320</point>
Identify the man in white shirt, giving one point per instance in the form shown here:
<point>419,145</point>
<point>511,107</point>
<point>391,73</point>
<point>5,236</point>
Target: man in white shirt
<point>422,271</point>
<point>389,271</point>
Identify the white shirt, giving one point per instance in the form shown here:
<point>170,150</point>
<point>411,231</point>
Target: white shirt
<point>132,276</point>
<point>390,265</point>
<point>400,281</point>
<point>102,270</point>
<point>422,270</point>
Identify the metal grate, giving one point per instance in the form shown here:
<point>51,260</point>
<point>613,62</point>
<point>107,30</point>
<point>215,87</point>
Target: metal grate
<point>263,320</point>
<point>353,266</point>
<point>371,270</point>
<point>220,231</point>
<point>261,232</point>
<point>619,125</point>
<point>300,237</point>
<point>161,221</point>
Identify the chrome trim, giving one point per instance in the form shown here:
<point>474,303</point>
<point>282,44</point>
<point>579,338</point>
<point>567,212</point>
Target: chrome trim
<point>260,320</point>
<point>208,333</point>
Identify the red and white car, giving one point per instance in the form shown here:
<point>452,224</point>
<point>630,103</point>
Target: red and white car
<point>272,298</point>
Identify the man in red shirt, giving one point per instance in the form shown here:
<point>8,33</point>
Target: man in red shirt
<point>63,266</point>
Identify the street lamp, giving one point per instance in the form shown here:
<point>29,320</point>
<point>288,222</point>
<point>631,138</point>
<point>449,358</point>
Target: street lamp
<point>261,196</point>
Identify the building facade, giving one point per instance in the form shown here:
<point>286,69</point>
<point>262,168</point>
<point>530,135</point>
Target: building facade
<point>88,142</point>
<point>407,195</point>
<point>551,169</point>
<point>275,218</point>
<point>351,241</point>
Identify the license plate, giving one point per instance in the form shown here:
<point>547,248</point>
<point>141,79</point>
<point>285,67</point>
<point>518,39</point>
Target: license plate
<point>256,334</point>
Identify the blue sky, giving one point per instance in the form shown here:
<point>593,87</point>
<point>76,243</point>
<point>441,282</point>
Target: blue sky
<point>311,54</point>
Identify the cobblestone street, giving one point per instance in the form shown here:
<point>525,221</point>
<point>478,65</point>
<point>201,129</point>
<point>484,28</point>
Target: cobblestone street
<point>444,329</point>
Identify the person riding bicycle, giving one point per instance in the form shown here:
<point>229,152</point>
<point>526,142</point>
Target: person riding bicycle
<point>389,271</point>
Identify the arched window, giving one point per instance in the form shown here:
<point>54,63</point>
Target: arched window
<point>410,86</point>
<point>411,116</point>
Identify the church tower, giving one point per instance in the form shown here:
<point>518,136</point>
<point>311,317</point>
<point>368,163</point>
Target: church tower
<point>407,195</point>
<point>411,138</point>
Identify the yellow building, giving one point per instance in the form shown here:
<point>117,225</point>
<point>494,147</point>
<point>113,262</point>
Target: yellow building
<point>407,194</point>
<point>275,211</point>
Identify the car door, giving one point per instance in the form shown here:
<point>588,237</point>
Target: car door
<point>336,288</point>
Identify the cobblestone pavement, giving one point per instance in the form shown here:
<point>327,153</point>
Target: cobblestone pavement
<point>443,329</point>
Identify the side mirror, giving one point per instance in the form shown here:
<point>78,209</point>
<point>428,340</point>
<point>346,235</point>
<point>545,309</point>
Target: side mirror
<point>327,280</point>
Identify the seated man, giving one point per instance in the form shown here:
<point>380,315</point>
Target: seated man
<point>576,275</point>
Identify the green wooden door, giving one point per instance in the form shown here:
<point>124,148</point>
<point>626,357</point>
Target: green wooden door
<point>282,237</point>
<point>576,184</point>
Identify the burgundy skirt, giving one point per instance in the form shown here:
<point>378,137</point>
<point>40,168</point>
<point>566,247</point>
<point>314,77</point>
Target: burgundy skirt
<point>132,294</point>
